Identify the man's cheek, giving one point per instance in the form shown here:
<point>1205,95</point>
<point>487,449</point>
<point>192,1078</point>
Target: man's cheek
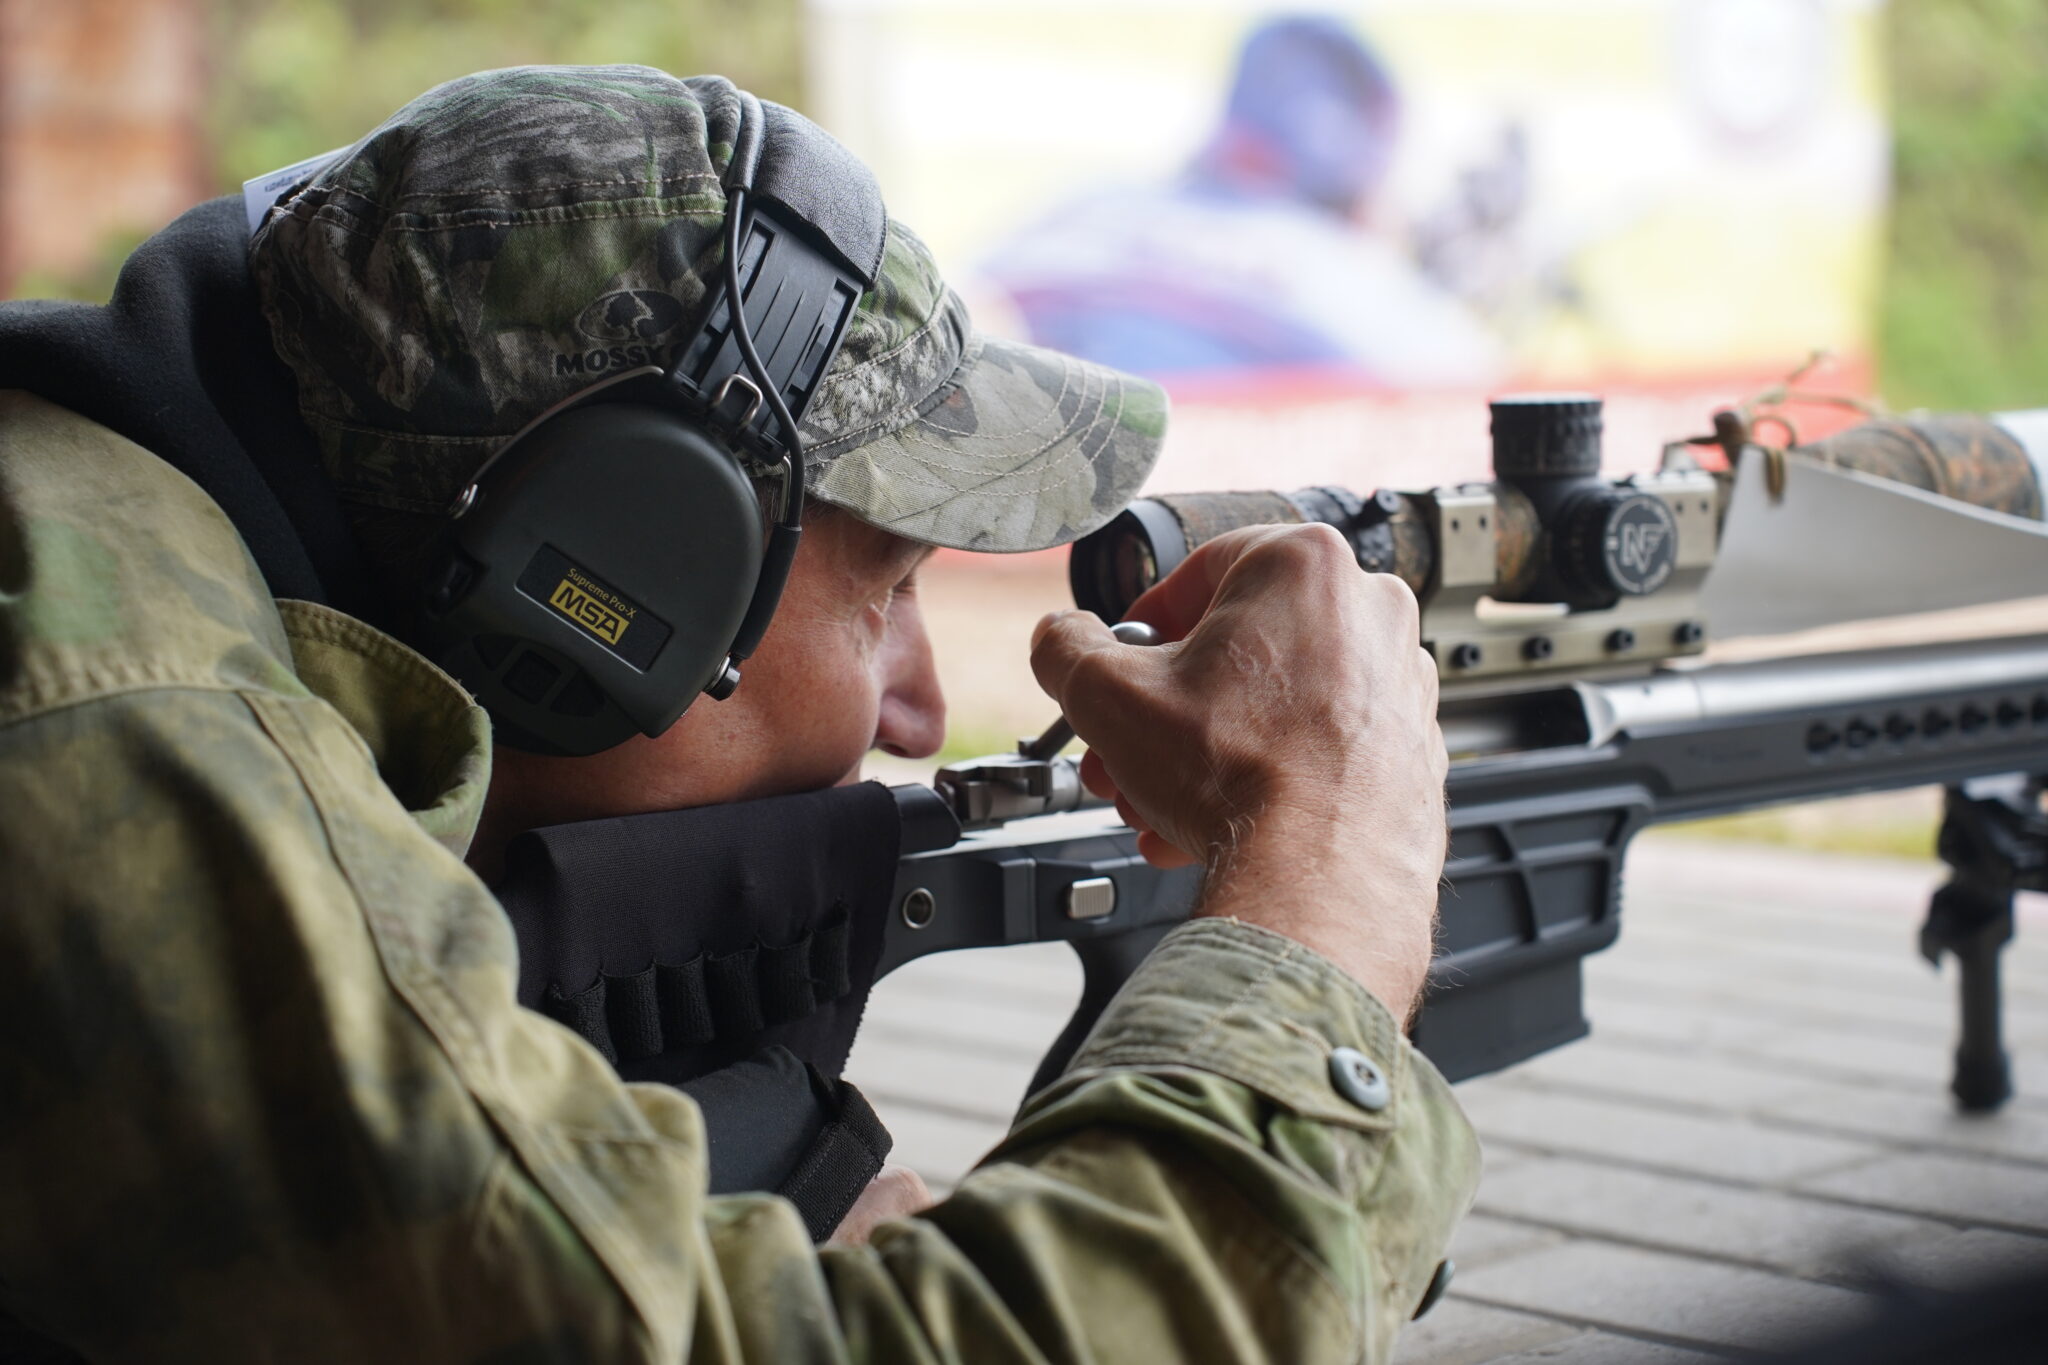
<point>836,767</point>
<point>843,717</point>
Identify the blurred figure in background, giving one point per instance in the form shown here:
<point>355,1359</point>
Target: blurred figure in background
<point>1258,255</point>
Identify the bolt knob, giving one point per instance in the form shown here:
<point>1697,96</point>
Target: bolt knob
<point>1546,435</point>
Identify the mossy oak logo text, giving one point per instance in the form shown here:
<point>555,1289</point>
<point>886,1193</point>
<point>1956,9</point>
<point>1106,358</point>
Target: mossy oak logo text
<point>639,324</point>
<point>604,614</point>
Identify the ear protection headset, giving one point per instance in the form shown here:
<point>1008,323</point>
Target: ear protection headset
<point>608,563</point>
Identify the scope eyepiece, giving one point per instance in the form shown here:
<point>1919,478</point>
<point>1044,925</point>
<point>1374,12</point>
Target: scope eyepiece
<point>1111,568</point>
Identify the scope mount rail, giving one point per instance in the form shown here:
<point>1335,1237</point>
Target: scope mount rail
<point>1547,788</point>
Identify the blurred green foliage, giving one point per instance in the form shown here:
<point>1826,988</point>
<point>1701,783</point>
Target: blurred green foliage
<point>292,78</point>
<point>93,283</point>
<point>1963,314</point>
<point>299,76</point>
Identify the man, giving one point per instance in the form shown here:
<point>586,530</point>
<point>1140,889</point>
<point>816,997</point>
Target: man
<point>266,1092</point>
<point>1264,252</point>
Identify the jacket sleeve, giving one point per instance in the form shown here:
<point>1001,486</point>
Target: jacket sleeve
<point>264,1068</point>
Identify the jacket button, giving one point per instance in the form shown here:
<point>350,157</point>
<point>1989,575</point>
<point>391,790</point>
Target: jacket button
<point>1357,1079</point>
<point>1438,1283</point>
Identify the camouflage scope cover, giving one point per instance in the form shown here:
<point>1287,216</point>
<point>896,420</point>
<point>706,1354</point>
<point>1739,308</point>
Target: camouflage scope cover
<point>509,238</point>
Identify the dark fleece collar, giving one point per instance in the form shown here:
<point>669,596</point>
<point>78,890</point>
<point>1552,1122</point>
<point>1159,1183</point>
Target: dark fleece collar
<point>180,362</point>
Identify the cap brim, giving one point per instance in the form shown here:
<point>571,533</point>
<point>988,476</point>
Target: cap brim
<point>1024,449</point>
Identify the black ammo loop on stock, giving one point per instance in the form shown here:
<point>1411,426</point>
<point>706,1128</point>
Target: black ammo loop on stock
<point>666,1008</point>
<point>729,951</point>
<point>683,941</point>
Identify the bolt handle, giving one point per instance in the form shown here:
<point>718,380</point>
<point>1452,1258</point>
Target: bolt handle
<point>1059,734</point>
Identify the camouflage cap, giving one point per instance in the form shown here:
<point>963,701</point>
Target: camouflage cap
<point>508,238</point>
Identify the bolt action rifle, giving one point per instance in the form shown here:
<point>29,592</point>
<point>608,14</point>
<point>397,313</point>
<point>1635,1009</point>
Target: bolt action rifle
<point>1566,612</point>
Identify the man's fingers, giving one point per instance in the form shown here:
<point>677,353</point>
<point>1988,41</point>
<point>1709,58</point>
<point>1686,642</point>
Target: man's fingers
<point>1175,604</point>
<point>1128,813</point>
<point>1058,645</point>
<point>898,1192</point>
<point>1095,777</point>
<point>1155,850</point>
<point>1154,847</point>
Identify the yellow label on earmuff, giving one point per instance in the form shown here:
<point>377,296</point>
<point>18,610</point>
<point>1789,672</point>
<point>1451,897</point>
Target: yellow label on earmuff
<point>577,603</point>
<point>560,587</point>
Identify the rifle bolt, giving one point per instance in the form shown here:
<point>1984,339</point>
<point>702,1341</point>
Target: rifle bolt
<point>1537,648</point>
<point>1620,640</point>
<point>1467,655</point>
<point>1689,633</point>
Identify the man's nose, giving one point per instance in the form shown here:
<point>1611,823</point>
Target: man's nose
<point>912,723</point>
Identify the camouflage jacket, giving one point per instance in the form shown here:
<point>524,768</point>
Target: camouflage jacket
<point>265,1093</point>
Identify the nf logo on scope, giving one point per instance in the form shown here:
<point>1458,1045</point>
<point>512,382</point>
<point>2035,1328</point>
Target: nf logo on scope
<point>1640,548</point>
<point>1641,544</point>
<point>579,606</point>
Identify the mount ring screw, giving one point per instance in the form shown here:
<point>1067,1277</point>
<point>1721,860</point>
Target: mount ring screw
<point>919,909</point>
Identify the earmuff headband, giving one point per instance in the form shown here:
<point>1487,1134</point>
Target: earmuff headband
<point>608,563</point>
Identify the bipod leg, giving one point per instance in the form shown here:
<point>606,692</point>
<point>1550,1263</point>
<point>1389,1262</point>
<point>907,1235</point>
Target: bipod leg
<point>1995,841</point>
<point>1975,927</point>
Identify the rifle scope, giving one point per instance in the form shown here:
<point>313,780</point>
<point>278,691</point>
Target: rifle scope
<point>1565,533</point>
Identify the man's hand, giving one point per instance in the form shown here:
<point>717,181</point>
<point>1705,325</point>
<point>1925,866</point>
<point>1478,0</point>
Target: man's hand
<point>1288,740</point>
<point>898,1192</point>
